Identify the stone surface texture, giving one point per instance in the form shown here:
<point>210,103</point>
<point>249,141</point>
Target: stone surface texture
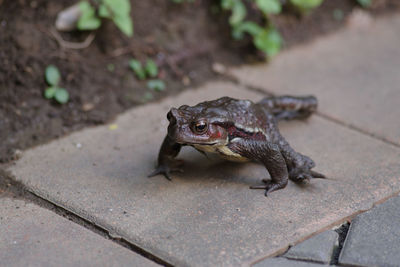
<point>318,248</point>
<point>282,262</point>
<point>34,236</point>
<point>207,215</point>
<point>354,74</point>
<point>374,237</point>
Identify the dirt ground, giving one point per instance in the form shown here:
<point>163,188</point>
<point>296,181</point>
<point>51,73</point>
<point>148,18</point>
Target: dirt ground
<point>184,39</point>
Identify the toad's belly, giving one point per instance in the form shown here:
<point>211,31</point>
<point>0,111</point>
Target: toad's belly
<point>222,151</point>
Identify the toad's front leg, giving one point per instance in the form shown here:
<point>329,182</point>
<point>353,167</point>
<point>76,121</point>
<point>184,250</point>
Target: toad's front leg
<point>166,158</point>
<point>267,153</point>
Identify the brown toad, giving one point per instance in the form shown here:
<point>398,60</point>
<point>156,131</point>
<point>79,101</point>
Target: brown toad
<point>241,130</point>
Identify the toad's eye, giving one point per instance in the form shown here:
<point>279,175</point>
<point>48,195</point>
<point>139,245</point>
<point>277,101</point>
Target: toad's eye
<point>200,127</point>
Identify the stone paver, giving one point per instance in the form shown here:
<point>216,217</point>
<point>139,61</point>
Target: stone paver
<point>374,237</point>
<point>33,236</point>
<point>207,215</point>
<point>318,248</point>
<point>282,262</point>
<point>354,73</point>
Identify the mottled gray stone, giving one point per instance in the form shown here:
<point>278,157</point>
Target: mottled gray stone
<point>374,237</point>
<point>282,262</point>
<point>207,215</point>
<point>354,73</point>
<point>33,236</point>
<point>318,248</point>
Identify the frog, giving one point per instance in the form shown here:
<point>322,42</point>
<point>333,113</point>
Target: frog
<point>241,130</point>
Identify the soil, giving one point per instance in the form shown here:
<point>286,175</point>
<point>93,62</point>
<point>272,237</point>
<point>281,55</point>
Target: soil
<point>184,39</point>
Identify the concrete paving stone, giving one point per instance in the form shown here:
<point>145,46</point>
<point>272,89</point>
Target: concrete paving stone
<point>207,215</point>
<point>318,248</point>
<point>34,236</point>
<point>282,262</point>
<point>374,237</point>
<point>354,73</point>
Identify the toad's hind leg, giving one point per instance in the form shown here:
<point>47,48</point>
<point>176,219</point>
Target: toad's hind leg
<point>299,166</point>
<point>290,107</point>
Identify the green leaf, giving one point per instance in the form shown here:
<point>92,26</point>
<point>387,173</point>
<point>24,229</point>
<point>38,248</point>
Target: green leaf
<point>364,3</point>
<point>52,75</point>
<point>85,6</point>
<point>88,23</point>
<point>338,14</point>
<point>88,19</point>
<point>151,68</point>
<point>104,12</point>
<point>50,92</point>
<point>238,12</point>
<point>136,66</point>
<point>125,24</point>
<point>269,6</point>
<point>61,95</point>
<point>227,4</point>
<point>248,26</point>
<point>269,41</point>
<point>147,97</point>
<point>156,85</point>
<point>119,12</point>
<point>118,7</point>
<point>306,5</point>
<point>110,67</point>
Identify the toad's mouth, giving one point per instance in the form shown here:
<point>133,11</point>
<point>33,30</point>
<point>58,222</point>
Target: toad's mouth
<point>197,143</point>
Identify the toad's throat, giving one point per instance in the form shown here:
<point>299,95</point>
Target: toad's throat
<point>222,150</point>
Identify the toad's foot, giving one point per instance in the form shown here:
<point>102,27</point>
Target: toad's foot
<point>269,186</point>
<point>301,175</point>
<point>166,169</point>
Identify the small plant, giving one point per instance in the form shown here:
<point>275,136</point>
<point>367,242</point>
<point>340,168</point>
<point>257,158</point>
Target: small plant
<point>55,92</point>
<point>156,85</point>
<point>147,97</point>
<point>305,6</point>
<point>364,3</point>
<point>116,10</point>
<point>338,14</point>
<point>269,6</point>
<point>137,68</point>
<point>265,38</point>
<point>110,67</point>
<point>181,1</point>
<point>150,70</point>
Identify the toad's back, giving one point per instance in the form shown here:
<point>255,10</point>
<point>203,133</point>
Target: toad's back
<point>243,114</point>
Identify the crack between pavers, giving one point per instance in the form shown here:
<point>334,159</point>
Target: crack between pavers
<point>318,113</point>
<point>280,252</point>
<point>342,231</point>
<point>357,129</point>
<point>303,260</point>
<point>11,188</point>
